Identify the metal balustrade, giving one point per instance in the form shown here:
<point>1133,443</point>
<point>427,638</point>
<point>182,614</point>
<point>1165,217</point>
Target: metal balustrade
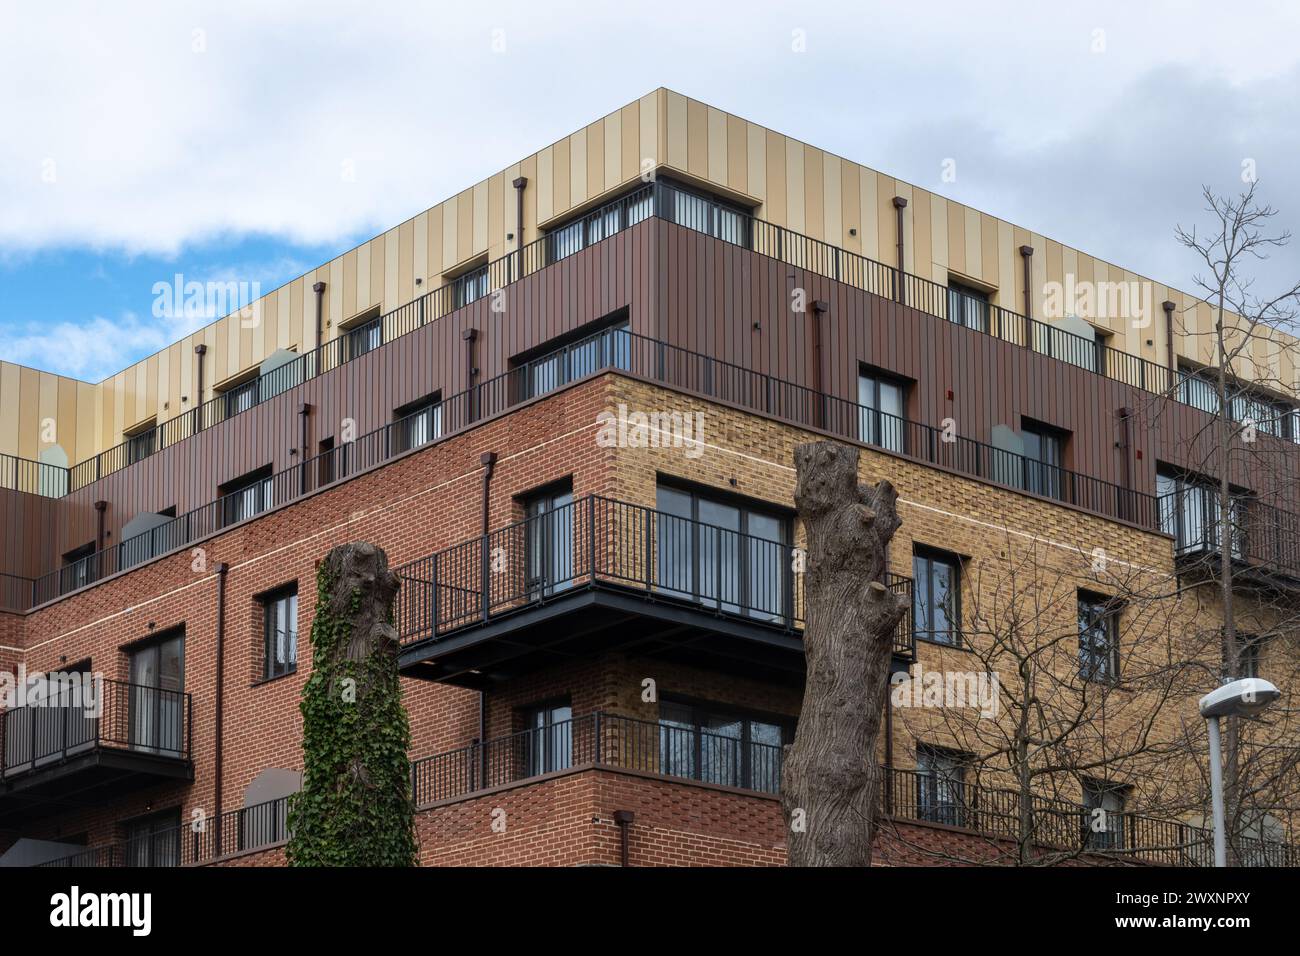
<point>663,200</point>
<point>614,348</point>
<point>244,830</point>
<point>610,740</point>
<point>598,541</point>
<point>1262,536</point>
<point>68,717</point>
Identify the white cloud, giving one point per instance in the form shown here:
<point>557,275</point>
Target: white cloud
<point>93,349</point>
<point>151,145</point>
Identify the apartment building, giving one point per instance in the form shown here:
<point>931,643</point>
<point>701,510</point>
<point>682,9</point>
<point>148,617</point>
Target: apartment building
<point>565,404</point>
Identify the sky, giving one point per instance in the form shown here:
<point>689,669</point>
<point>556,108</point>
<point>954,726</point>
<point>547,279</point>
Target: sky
<point>250,142</point>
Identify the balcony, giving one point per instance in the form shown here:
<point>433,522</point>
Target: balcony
<point>80,744</point>
<point>245,830</point>
<point>602,740</point>
<point>1265,540</point>
<point>598,575</point>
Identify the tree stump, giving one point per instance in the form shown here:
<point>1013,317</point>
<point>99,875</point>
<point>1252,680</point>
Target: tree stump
<point>830,777</point>
<point>355,807</point>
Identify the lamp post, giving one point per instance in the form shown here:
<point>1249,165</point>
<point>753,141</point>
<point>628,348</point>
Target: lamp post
<point>1241,698</point>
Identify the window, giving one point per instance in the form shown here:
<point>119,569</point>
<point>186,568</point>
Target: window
<point>1044,447</point>
<point>548,740</point>
<point>1103,819</point>
<point>1196,389</point>
<point>882,401</point>
<point>936,596</point>
<point>327,467</point>
<point>719,745</point>
<point>79,567</point>
<point>246,496</point>
<point>723,552</point>
<point>241,398</point>
<point>563,241</point>
<point>1248,654</point>
<point>1189,510</point>
<point>609,348</point>
<point>418,423</point>
<point>1199,387</point>
<point>968,306</point>
<point>363,338</point>
<point>941,785</point>
<point>706,214</point>
<point>471,286</point>
<point>280,632</point>
<point>157,699</point>
<point>141,444</point>
<point>155,840</point>
<point>548,541</point>
<point>1098,637</point>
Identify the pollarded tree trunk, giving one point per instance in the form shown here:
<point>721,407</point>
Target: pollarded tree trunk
<point>355,807</point>
<point>830,778</point>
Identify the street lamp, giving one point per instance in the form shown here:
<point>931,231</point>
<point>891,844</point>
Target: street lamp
<point>1242,698</point>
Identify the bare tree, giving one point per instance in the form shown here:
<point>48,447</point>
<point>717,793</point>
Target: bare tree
<point>1248,436</point>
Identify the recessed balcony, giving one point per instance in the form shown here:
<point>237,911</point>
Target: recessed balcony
<point>598,575</point>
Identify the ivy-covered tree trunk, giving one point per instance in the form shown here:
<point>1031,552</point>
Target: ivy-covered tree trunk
<point>355,807</point>
<point>830,778</point>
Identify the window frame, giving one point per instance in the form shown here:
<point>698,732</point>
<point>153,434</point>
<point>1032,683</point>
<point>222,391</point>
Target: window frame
<point>874,415</point>
<point>1111,610</point>
<point>698,710</point>
<point>930,555</point>
<point>269,602</point>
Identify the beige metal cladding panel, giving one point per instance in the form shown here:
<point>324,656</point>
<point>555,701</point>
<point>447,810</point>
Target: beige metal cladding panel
<point>560,181</point>
<point>697,139</point>
<point>545,184</point>
<point>677,154</point>
<point>777,202</point>
<point>576,150</point>
<point>832,204</point>
<point>813,194</point>
<point>716,139</point>
<point>794,186</point>
<point>921,240</point>
<point>851,206</point>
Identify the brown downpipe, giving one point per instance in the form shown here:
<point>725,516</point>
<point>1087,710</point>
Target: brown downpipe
<point>471,371</point>
<point>99,524</point>
<point>1169,341</point>
<point>624,819</point>
<point>489,461</point>
<point>319,289</point>
<point>304,413</point>
<point>1026,253</point>
<point>200,350</point>
<point>1126,453</point>
<point>820,308</point>
<point>889,756</point>
<point>519,185</point>
<point>219,715</point>
<point>899,205</point>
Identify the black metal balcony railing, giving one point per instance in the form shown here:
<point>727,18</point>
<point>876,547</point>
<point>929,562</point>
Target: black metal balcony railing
<point>614,348</point>
<point>235,831</point>
<point>610,740</point>
<point>619,349</point>
<point>1261,535</point>
<point>33,477</point>
<point>663,200</point>
<point>598,541</point>
<point>114,715</point>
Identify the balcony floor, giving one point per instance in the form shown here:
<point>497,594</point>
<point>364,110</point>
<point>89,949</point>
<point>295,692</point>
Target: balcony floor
<point>592,618</point>
<point>87,778</point>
